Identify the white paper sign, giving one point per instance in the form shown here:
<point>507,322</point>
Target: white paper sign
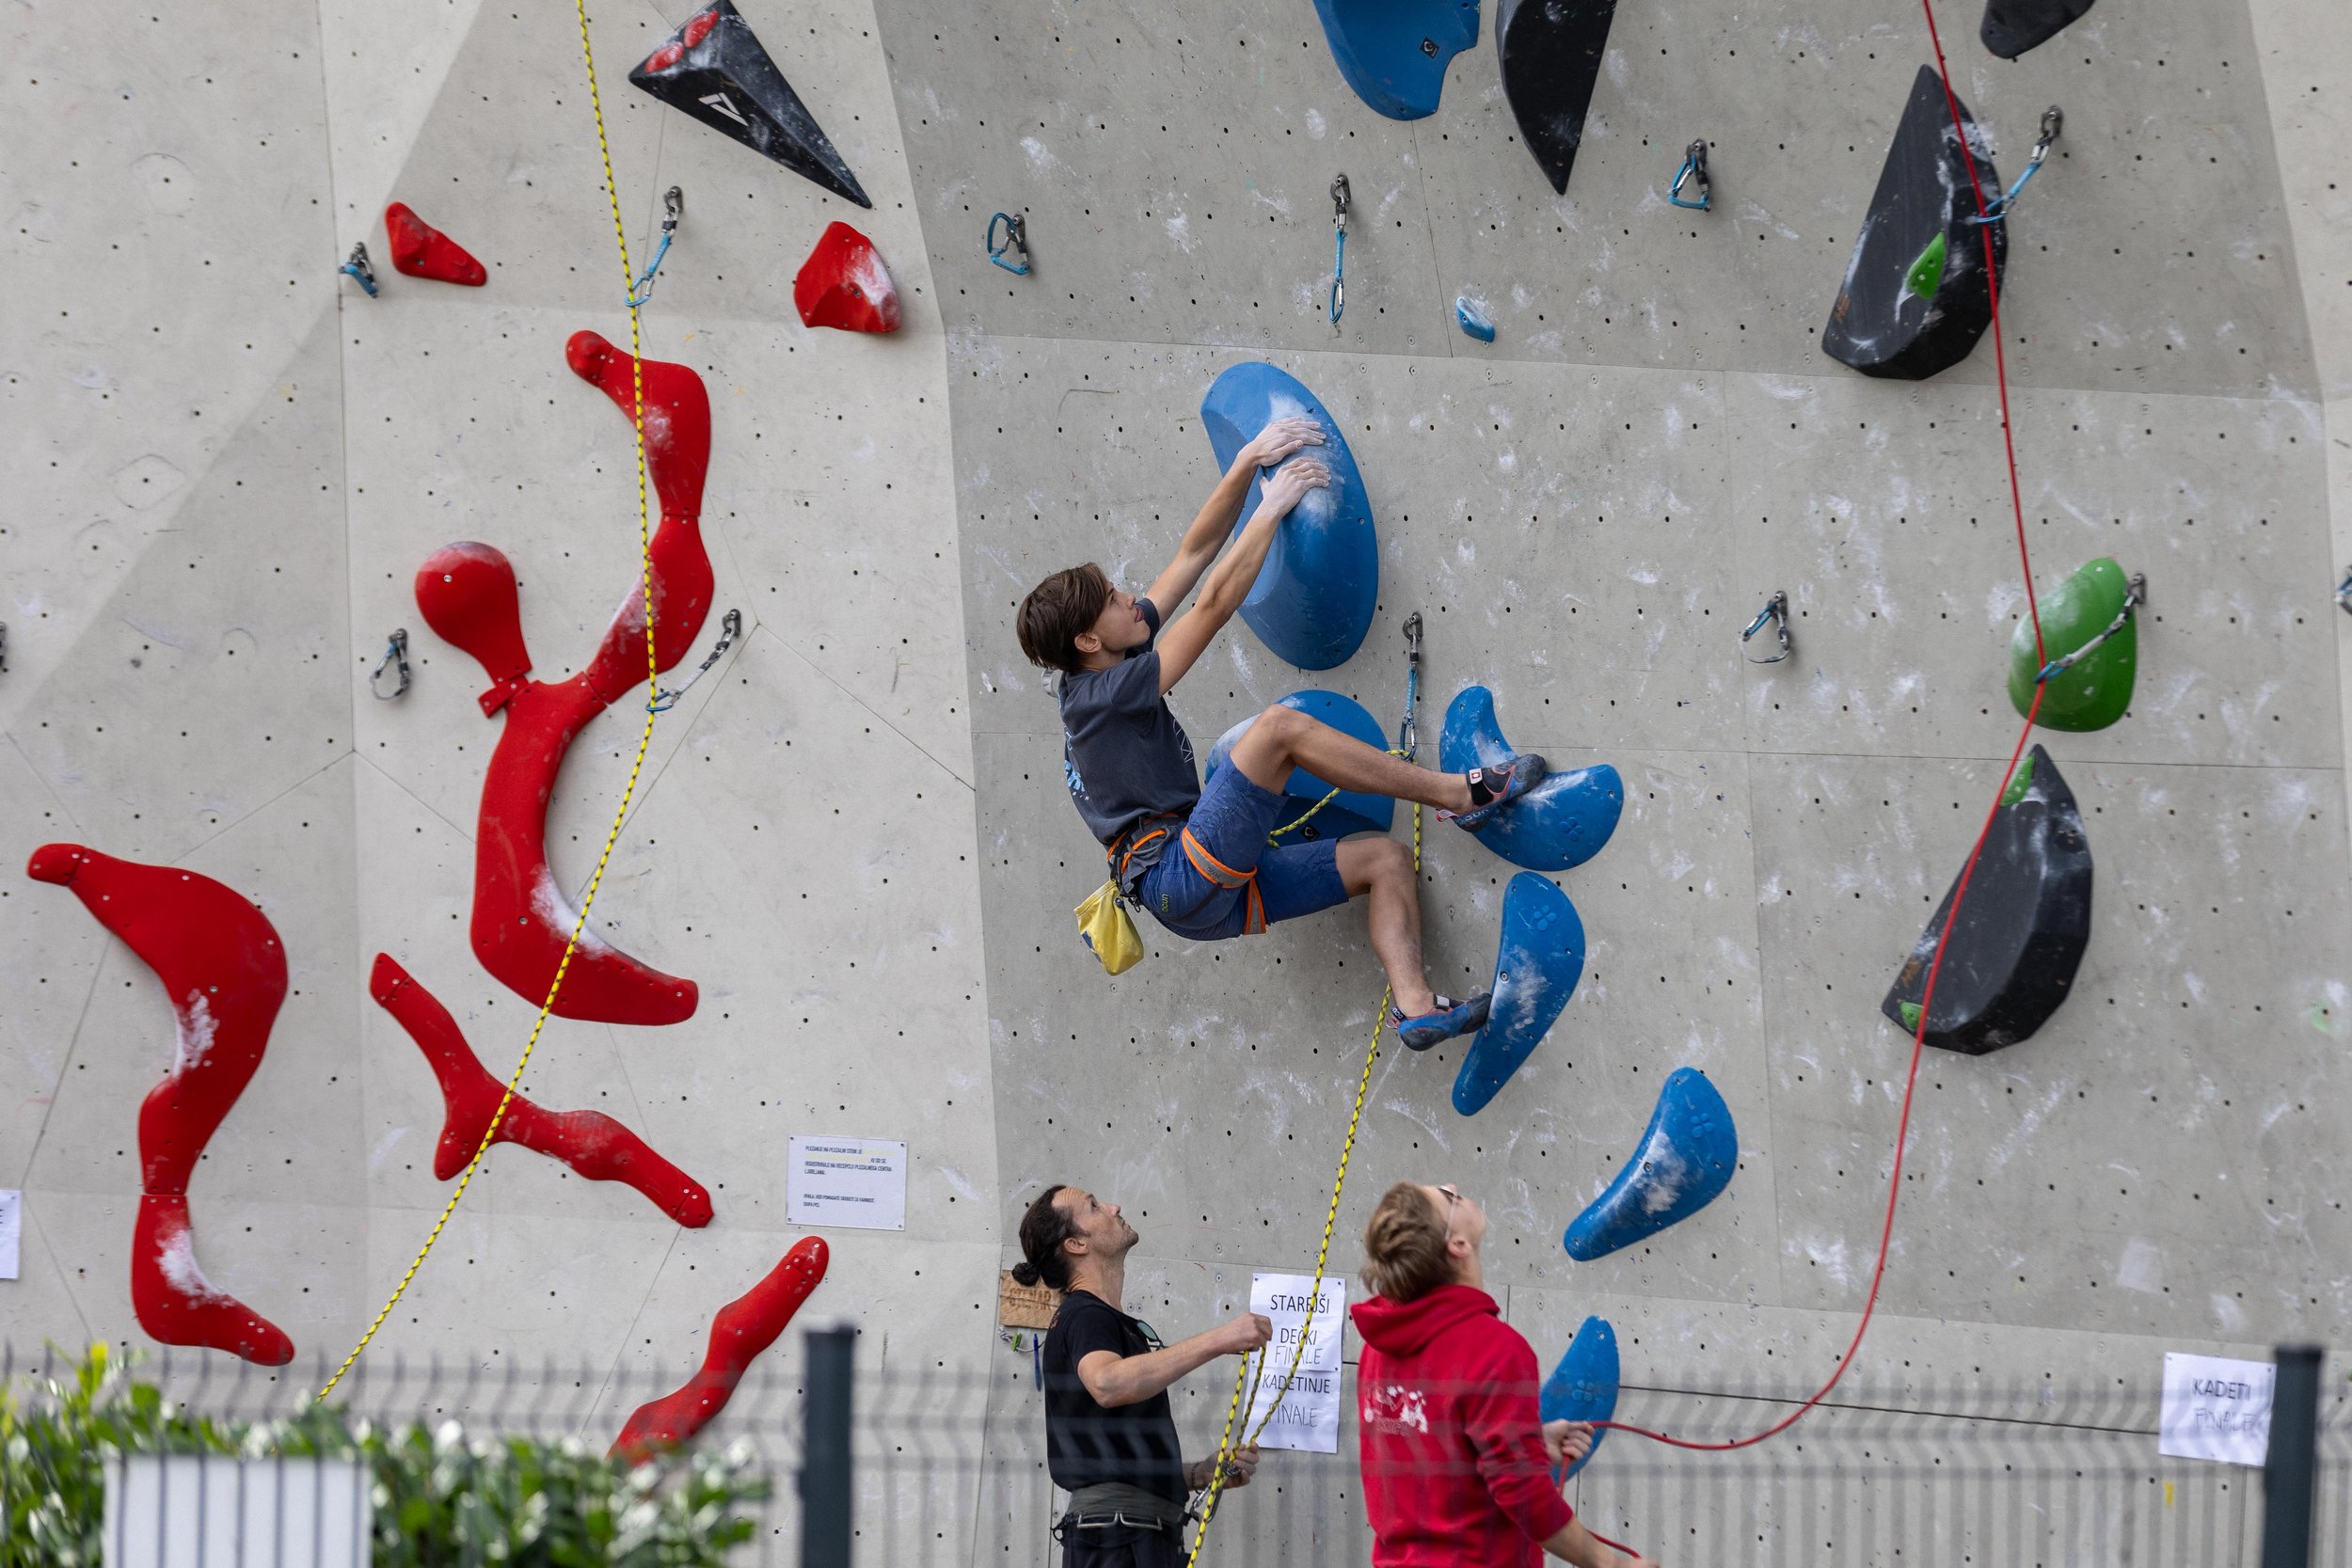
<point>2215,1408</point>
<point>12,1229</point>
<point>1308,1414</point>
<point>860,1183</point>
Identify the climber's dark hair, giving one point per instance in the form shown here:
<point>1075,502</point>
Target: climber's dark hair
<point>1057,612</point>
<point>1044,1230</point>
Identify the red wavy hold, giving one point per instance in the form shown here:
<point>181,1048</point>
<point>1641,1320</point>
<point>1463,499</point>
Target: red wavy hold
<point>421,251</point>
<point>844,284</point>
<point>591,1142</point>
<point>467,594</point>
<point>224,972</point>
<point>743,1328</point>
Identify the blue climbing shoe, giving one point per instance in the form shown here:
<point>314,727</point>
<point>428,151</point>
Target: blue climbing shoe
<point>1508,781</point>
<point>1449,1019</point>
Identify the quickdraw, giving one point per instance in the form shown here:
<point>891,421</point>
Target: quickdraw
<point>1776,613</point>
<point>1016,238</point>
<point>2344,602</point>
<point>395,659</point>
<point>730,628</point>
<point>1694,167</point>
<point>1338,249</point>
<point>2053,120</point>
<point>673,208</point>
<point>356,266</point>
<point>1408,730</point>
<point>2135,594</point>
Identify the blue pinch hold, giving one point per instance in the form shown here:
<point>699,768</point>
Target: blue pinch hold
<point>1315,596</point>
<point>1348,812</point>
<point>1394,53</point>
<point>1538,960</point>
<point>1583,1386</point>
<point>1684,1162</point>
<point>1562,822</point>
<point>1473,319</point>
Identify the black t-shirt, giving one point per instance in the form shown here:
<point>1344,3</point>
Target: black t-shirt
<point>1084,1444</point>
<point>1124,755</point>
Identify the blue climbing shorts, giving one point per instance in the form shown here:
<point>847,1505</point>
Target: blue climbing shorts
<point>1220,878</point>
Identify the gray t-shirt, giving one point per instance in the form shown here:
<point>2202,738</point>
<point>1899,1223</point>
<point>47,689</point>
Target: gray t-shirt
<point>1125,756</point>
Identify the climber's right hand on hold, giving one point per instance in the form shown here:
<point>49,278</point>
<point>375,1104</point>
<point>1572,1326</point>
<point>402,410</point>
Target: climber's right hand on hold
<point>1248,1333</point>
<point>1290,483</point>
<point>1277,441</point>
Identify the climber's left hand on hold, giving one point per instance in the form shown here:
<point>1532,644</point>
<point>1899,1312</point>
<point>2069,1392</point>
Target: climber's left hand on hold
<point>1277,441</point>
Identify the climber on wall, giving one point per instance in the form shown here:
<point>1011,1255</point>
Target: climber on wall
<point>1132,774</point>
<point>1111,1438</point>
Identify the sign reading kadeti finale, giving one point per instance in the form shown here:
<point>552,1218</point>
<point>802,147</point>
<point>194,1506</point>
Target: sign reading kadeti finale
<point>856,1183</point>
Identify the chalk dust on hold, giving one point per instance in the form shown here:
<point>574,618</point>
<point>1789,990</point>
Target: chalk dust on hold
<point>175,1255</point>
<point>549,903</point>
<point>1316,506</point>
<point>196,1027</point>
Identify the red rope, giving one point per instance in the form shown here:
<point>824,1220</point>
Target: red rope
<point>1960,891</point>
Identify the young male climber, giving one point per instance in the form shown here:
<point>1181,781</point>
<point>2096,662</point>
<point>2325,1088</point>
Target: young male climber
<point>1457,1464</point>
<point>1110,1440</point>
<point>1198,860</point>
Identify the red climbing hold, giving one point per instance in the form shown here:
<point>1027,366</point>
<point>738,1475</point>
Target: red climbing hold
<point>844,284</point>
<point>743,1328</point>
<point>592,1143</point>
<point>467,594</point>
<point>421,251</point>
<point>224,972</point>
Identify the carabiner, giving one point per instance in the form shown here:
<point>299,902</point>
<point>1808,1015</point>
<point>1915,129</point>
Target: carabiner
<point>1693,166</point>
<point>1016,238</point>
<point>395,659</point>
<point>730,628</point>
<point>2135,594</point>
<point>1408,732</point>
<point>356,266</point>
<point>2344,602</point>
<point>673,208</point>
<point>1339,199</point>
<point>2053,121</point>
<point>1775,610</point>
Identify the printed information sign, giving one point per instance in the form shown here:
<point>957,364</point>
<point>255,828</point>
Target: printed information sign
<point>1308,1416</point>
<point>856,1183</point>
<point>2215,1408</point>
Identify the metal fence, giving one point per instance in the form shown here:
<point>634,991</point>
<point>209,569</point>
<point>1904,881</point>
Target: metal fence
<point>948,1467</point>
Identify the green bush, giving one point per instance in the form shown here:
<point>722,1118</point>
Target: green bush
<point>442,1500</point>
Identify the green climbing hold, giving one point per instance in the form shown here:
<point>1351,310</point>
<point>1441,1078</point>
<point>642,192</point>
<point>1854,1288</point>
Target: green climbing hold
<point>1911,1009</point>
<point>1927,273</point>
<point>2095,689</point>
<point>2018,782</point>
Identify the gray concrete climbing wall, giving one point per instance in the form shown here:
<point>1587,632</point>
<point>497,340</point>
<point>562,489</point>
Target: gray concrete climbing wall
<point>227,465</point>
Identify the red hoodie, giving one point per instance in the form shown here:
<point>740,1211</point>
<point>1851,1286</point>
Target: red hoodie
<point>1453,1451</point>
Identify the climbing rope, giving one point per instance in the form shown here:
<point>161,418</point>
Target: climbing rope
<point>645,738</point>
<point>1975,852</point>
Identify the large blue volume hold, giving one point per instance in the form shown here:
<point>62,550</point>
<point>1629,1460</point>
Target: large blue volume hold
<point>1349,813</point>
<point>1315,596</point>
<point>1685,1160</point>
<point>1562,822</point>
<point>1583,1387</point>
<point>1538,960</point>
<point>1394,53</point>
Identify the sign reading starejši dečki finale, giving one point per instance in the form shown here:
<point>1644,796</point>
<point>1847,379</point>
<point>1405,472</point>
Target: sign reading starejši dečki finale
<point>1308,1419</point>
<point>859,1183</point>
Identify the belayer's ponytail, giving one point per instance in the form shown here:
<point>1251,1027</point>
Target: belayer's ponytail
<point>1044,1230</point>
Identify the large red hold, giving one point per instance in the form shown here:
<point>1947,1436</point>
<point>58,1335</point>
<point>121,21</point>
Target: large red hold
<point>224,972</point>
<point>743,1328</point>
<point>844,284</point>
<point>421,251</point>
<point>592,1143</point>
<point>466,592</point>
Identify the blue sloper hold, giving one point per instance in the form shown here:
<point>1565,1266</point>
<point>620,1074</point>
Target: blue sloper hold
<point>1560,823</point>
<point>1471,320</point>
<point>1685,1160</point>
<point>1314,598</point>
<point>1583,1387</point>
<point>1349,813</point>
<point>1538,960</point>
<point>1394,53</point>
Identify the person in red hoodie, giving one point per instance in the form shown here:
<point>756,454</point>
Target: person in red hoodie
<point>1457,1465</point>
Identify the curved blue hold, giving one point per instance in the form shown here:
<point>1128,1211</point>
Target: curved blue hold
<point>1583,1387</point>
<point>1314,598</point>
<point>1349,813</point>
<point>1473,319</point>
<point>1394,53</point>
<point>1563,822</point>
<point>1686,1159</point>
<point>1538,960</point>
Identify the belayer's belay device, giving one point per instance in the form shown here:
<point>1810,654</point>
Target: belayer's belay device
<point>714,69</point>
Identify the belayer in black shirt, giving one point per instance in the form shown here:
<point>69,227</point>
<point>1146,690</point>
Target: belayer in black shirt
<point>1110,1441</point>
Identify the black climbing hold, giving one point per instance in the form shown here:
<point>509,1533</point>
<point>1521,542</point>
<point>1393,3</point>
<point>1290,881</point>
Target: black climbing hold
<point>2012,27</point>
<point>2021,931</point>
<point>1916,298</point>
<point>1552,52</point>
<point>714,69</point>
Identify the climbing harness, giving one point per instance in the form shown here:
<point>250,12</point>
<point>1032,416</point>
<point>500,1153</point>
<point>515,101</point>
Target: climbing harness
<point>673,208</point>
<point>730,628</point>
<point>2344,602</point>
<point>1016,238</point>
<point>1247,1377</point>
<point>396,659</point>
<point>1338,249</point>
<point>1694,167</point>
<point>1775,611</point>
<point>2135,594</point>
<point>637,764</point>
<point>2053,120</point>
<point>356,266</point>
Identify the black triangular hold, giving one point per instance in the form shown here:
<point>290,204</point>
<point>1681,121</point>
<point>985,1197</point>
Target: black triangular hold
<point>1915,297</point>
<point>2021,930</point>
<point>2012,27</point>
<point>714,69</point>
<point>1552,52</point>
